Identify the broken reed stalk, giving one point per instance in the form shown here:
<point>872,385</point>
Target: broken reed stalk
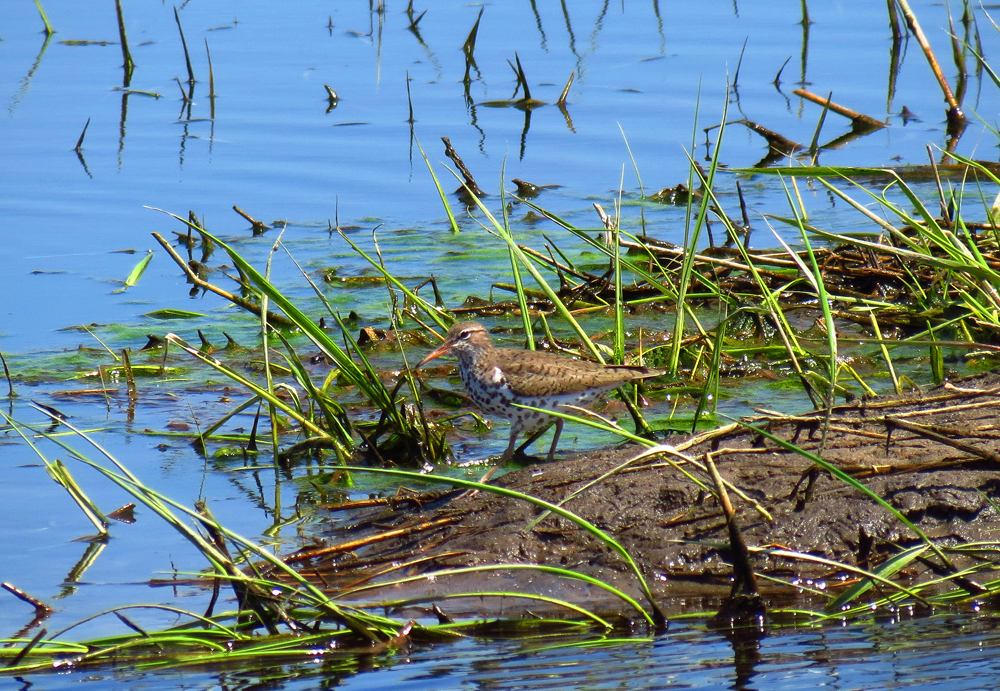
<point>470,181</point>
<point>129,375</point>
<point>40,607</point>
<point>775,141</point>
<point>522,80</point>
<point>777,77</point>
<point>129,65</point>
<point>206,345</point>
<point>409,15</point>
<point>744,580</point>
<point>956,50</point>
<point>29,647</point>
<point>192,223</point>
<point>565,91</point>
<point>956,118</point>
<point>743,50</point>
<point>273,318</point>
<point>814,144</point>
<point>211,80</point>
<point>258,226</point>
<point>48,27</point>
<point>858,120</point>
<point>409,99</point>
<point>184,97</point>
<point>469,47</point>
<point>79,142</point>
<point>331,97</point>
<point>6,372</point>
<point>187,55</point>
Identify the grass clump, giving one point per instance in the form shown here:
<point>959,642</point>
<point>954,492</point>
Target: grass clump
<point>301,619</point>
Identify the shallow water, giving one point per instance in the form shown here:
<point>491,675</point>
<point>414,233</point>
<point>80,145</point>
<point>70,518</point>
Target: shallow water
<point>883,654</point>
<point>274,149</point>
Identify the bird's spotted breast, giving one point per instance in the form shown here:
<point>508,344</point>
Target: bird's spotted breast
<point>492,393</point>
<point>499,380</point>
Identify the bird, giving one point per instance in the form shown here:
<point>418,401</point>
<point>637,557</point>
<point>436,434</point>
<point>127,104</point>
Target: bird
<point>501,379</point>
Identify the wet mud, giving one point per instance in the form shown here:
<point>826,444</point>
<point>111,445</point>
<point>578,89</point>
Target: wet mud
<point>933,457</point>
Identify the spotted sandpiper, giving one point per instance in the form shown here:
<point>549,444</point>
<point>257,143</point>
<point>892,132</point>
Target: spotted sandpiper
<point>500,379</point>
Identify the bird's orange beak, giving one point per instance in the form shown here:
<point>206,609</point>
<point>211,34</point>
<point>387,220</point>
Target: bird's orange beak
<point>442,349</point>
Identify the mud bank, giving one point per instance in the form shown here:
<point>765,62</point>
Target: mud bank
<point>935,458</point>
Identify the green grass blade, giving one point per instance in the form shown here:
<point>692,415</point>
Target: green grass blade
<point>885,571</point>
<point>138,270</point>
<point>257,390</point>
<point>440,190</point>
<point>522,300</point>
<point>802,556</point>
<point>440,317</point>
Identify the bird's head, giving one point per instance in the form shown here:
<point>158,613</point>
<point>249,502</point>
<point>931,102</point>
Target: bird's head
<point>464,340</point>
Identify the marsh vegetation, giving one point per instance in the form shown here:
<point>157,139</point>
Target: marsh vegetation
<point>802,307</point>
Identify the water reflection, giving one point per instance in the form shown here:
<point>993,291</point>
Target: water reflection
<point>414,29</point>
<point>804,59</point>
<point>538,23</point>
<point>26,82</point>
<point>942,652</point>
<point>949,652</point>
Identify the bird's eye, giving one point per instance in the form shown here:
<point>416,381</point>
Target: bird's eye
<point>465,335</point>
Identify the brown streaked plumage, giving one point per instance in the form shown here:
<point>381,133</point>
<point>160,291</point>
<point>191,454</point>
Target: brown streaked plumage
<point>497,378</point>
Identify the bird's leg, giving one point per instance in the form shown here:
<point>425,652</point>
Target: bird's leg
<point>489,473</point>
<point>531,439</point>
<point>555,438</point>
<point>507,455</point>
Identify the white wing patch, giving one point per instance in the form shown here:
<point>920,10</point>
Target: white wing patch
<point>497,377</point>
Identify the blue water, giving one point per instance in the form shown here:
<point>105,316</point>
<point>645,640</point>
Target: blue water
<point>275,151</point>
<point>657,71</point>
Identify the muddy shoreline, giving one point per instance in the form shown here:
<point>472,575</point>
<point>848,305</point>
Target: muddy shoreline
<point>933,457</point>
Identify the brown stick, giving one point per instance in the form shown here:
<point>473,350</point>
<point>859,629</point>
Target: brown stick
<point>363,542</point>
<point>40,607</point>
<point>775,141</point>
<point>930,433</point>
<point>272,318</point>
<point>855,117</point>
<point>26,649</point>
<point>955,115</point>
<point>470,181</point>
<point>744,580</point>
<point>258,226</point>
